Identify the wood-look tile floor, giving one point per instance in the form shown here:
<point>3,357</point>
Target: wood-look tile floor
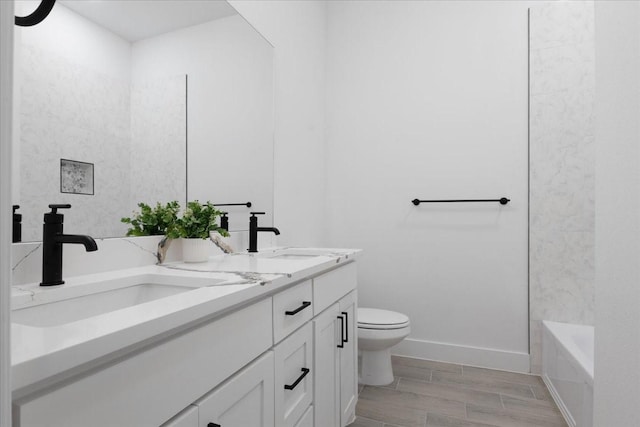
<point>435,394</point>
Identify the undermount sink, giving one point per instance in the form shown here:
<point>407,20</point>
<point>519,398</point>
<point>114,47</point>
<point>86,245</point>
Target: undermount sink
<point>104,297</point>
<point>73,309</point>
<point>293,256</point>
<point>296,253</point>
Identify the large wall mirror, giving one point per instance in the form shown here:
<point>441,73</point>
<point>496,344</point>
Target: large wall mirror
<point>120,102</point>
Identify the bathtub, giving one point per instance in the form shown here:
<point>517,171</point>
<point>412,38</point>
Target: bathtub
<point>567,369</point>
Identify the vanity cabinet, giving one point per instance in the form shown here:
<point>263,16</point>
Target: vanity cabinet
<point>287,360</point>
<point>349,359</point>
<point>294,376</point>
<point>246,399</point>
<point>335,359</point>
<point>153,384</point>
<point>186,418</point>
<point>307,419</point>
<point>327,331</point>
<point>292,308</point>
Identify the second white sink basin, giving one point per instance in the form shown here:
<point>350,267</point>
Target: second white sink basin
<point>293,256</point>
<point>295,253</point>
<point>82,307</point>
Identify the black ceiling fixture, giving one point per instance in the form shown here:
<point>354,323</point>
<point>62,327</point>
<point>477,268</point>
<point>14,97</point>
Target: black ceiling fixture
<point>37,16</point>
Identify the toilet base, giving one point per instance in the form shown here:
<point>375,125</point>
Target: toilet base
<point>375,367</point>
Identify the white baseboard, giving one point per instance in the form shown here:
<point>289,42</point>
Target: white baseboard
<point>465,355</point>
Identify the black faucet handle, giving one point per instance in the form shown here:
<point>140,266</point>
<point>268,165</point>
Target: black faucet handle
<point>257,213</point>
<point>224,220</point>
<point>54,217</point>
<point>55,207</point>
<point>15,208</point>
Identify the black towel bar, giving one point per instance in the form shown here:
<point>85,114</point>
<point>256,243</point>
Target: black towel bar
<point>248,204</point>
<point>502,201</point>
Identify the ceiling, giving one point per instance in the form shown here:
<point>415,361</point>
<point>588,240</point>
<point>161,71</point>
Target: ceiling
<point>135,20</point>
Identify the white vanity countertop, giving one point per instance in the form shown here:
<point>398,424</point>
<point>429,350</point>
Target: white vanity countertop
<point>295,263</point>
<point>40,353</point>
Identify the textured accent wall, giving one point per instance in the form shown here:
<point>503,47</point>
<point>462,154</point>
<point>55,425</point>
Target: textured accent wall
<point>562,167</point>
<point>158,140</point>
<point>69,111</point>
<point>133,132</point>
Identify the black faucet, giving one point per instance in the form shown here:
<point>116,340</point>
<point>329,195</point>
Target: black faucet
<point>224,220</point>
<point>52,240</point>
<point>253,231</point>
<point>17,225</point>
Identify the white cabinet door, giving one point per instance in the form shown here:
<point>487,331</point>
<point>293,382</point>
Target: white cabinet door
<point>307,419</point>
<point>246,399</point>
<point>186,418</point>
<point>326,381</point>
<point>348,359</point>
<point>293,376</point>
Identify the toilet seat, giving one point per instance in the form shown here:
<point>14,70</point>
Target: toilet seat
<point>373,318</point>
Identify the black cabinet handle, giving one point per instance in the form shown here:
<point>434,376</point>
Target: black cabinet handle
<point>304,305</point>
<point>305,371</point>
<point>213,425</point>
<point>341,345</point>
<point>346,326</point>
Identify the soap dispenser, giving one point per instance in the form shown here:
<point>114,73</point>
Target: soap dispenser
<point>17,225</point>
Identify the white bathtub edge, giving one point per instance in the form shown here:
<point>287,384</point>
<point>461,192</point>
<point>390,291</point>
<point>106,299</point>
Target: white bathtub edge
<point>556,398</point>
<point>557,330</point>
<point>567,369</point>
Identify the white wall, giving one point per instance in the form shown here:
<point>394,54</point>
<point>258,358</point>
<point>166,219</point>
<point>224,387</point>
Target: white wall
<point>230,108</point>
<point>6,104</point>
<point>428,100</point>
<point>297,29</point>
<point>562,167</point>
<point>617,351</point>
<point>81,42</point>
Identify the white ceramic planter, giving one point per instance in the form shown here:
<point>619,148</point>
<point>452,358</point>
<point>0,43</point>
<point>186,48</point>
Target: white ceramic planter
<point>195,250</point>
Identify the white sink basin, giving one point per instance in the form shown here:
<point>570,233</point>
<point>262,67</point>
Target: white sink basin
<point>66,304</point>
<point>296,253</point>
<point>82,307</point>
<point>293,256</point>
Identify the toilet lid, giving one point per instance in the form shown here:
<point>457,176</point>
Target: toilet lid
<point>374,318</point>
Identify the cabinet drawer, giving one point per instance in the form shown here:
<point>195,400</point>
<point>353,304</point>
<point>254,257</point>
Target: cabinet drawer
<point>330,287</point>
<point>307,419</point>
<point>153,385</point>
<point>291,309</point>
<point>244,400</point>
<point>186,418</point>
<point>293,376</point>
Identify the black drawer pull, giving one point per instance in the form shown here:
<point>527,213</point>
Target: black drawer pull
<point>346,326</point>
<point>304,305</point>
<point>213,425</point>
<point>341,345</point>
<point>305,371</point>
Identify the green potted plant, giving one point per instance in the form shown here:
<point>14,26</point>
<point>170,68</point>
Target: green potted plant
<point>195,226</point>
<point>152,221</point>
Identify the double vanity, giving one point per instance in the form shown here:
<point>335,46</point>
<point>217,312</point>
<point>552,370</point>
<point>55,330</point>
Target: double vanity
<point>265,339</point>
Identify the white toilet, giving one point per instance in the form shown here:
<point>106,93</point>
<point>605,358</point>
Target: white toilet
<point>378,331</point>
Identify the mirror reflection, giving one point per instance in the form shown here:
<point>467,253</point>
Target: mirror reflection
<point>123,102</point>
